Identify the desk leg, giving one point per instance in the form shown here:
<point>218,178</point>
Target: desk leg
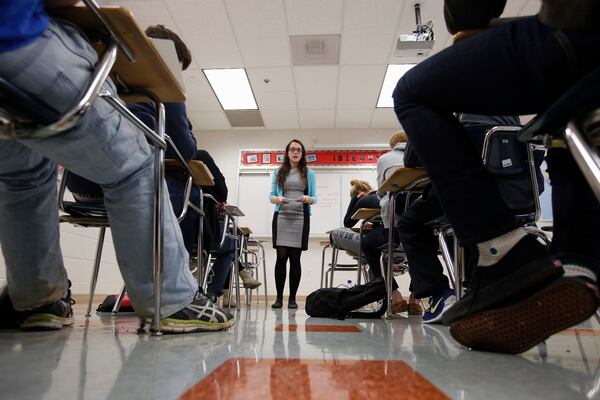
<point>237,265</point>
<point>159,179</point>
<point>360,261</point>
<point>390,264</point>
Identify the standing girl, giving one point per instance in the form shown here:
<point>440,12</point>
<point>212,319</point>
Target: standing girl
<point>293,190</point>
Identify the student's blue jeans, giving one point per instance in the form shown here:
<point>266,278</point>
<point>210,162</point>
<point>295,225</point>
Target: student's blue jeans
<point>106,149</point>
<point>518,68</point>
<point>221,268</point>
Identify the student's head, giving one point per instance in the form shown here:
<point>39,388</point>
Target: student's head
<point>294,153</point>
<point>162,32</point>
<point>359,186</point>
<point>398,137</point>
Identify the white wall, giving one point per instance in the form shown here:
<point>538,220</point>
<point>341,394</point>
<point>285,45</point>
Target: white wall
<point>79,244</point>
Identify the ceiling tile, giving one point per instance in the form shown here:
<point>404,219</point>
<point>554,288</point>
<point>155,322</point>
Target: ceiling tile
<point>257,18</point>
<point>353,118</point>
<point>209,120</point>
<point>280,119</point>
<point>366,49</point>
<point>316,87</point>
<point>265,51</point>
<point>314,17</point>
<point>147,12</point>
<point>279,79</point>
<point>200,95</point>
<point>359,86</point>
<point>384,118</point>
<point>317,119</point>
<point>372,17</point>
<point>216,52</point>
<point>206,18</point>
<point>276,100</point>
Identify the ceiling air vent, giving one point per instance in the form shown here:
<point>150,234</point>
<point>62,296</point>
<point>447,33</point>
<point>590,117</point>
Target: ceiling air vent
<point>315,49</point>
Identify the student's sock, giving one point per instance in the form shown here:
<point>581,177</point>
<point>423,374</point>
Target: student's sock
<point>492,251</point>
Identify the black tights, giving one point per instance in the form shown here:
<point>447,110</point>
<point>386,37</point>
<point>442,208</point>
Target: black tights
<point>283,253</point>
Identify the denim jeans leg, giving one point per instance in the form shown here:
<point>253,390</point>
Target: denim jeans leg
<point>107,149</point>
<point>29,230</point>
<point>222,267</point>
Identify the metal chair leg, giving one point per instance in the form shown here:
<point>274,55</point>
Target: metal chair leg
<point>323,263</point>
<point>390,263</point>
<point>450,267</point>
<point>94,280</point>
<point>119,301</point>
<point>159,179</point>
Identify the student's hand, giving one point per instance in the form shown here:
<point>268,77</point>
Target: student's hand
<point>307,199</point>
<point>360,195</point>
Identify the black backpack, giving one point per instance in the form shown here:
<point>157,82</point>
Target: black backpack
<point>339,303</point>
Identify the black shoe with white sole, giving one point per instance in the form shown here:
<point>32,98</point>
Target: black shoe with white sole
<point>202,315</point>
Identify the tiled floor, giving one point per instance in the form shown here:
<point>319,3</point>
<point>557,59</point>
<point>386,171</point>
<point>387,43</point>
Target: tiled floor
<point>286,355</point>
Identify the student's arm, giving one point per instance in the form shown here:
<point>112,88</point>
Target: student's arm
<point>178,128</point>
<point>348,221</point>
<point>219,190</point>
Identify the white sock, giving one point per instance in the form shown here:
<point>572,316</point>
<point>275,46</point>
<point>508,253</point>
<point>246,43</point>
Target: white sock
<point>572,270</point>
<point>492,251</point>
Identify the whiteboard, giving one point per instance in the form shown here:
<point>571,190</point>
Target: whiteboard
<point>333,193</point>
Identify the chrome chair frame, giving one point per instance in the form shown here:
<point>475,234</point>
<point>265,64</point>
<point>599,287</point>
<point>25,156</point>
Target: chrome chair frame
<point>456,267</point>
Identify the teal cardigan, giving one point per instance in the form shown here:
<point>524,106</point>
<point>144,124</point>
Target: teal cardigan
<point>277,190</point>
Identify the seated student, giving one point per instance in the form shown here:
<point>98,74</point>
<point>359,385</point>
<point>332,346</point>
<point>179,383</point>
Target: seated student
<point>418,239</point>
<point>213,229</point>
<point>521,67</point>
<point>362,196</point>
<point>51,61</point>
<point>374,240</point>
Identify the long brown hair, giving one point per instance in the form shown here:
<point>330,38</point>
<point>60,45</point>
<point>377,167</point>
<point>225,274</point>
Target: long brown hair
<point>286,165</point>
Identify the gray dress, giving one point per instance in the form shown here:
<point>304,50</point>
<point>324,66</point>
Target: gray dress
<point>290,221</point>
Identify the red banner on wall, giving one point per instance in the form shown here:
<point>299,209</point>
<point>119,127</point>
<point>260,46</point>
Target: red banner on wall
<point>314,158</point>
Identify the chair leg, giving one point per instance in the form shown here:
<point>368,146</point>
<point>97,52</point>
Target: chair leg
<point>323,264</point>
<point>94,280</point>
<point>334,258</point>
<point>207,268</point>
<point>450,267</point>
<point>264,266</point>
<point>119,300</point>
<point>586,157</point>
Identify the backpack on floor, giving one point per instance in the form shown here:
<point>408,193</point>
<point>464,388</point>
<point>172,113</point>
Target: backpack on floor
<point>340,303</point>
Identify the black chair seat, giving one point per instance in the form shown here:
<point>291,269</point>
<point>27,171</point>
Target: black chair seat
<point>91,210</point>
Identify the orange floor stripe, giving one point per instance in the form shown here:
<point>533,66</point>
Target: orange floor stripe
<point>580,332</point>
<point>294,379</point>
<point>317,328</point>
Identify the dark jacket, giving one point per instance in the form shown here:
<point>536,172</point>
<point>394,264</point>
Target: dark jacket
<point>370,201</point>
<point>219,191</point>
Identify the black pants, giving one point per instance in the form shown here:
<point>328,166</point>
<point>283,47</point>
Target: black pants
<point>421,246</point>
<point>283,254</point>
<point>514,69</point>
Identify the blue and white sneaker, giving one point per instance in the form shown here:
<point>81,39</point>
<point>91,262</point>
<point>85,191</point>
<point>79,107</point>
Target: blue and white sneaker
<point>438,305</point>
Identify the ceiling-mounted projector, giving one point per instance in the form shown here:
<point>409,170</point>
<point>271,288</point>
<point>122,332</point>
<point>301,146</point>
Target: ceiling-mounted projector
<point>417,43</point>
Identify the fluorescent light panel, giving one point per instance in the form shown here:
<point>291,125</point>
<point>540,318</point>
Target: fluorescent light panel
<point>232,88</point>
<point>392,76</point>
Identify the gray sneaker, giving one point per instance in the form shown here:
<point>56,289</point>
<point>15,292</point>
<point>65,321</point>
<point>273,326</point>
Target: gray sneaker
<point>50,316</point>
<point>202,315</point>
